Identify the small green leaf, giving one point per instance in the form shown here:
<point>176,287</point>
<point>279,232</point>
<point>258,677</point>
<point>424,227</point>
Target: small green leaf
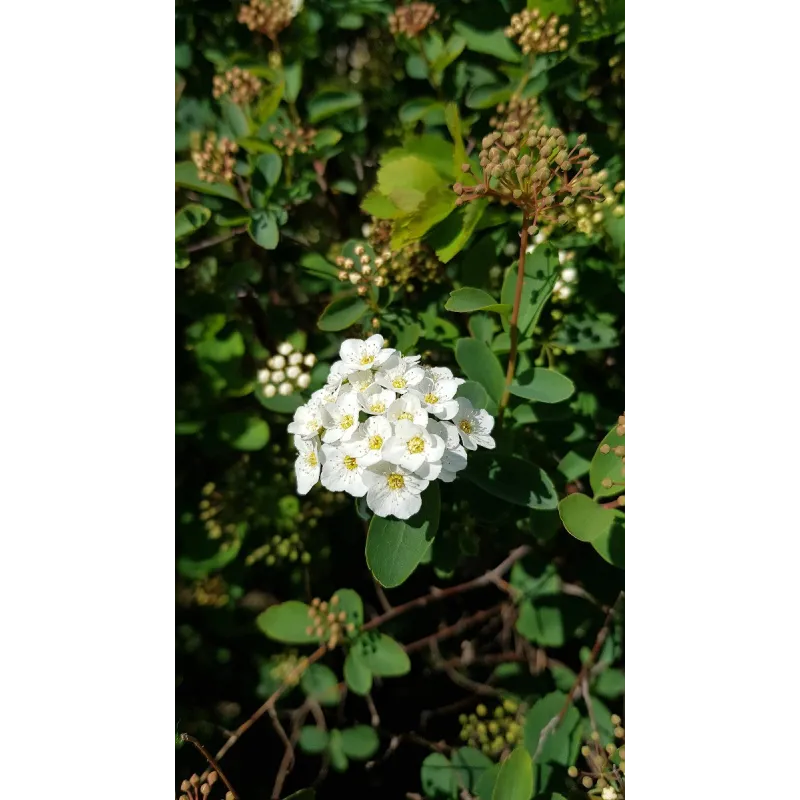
<point>320,682</point>
<point>293,75</point>
<point>330,102</point>
<point>438,777</point>
<point>515,781</point>
<point>357,674</point>
<point>426,109</point>
<point>279,404</point>
<point>493,43</point>
<point>512,479</point>
<point>556,746</point>
<point>350,602</point>
<point>190,218</point>
<point>186,176</point>
<point>465,220</point>
<point>360,742</point>
<point>268,103</point>
<point>341,313</point>
<point>543,385</point>
<point>235,117</point>
<point>607,466</point>
<point>488,96</point>
<point>287,622</point>
<point>383,656</point>
<point>470,766</point>
<point>263,229</point>
<point>486,783</point>
<point>476,394</point>
<point>269,165</point>
<point>336,751</point>
<point>317,265</point>
<point>313,740</point>
<point>480,364</point>
<point>585,519</point>
<point>611,544</point>
<point>244,431</point>
<point>468,299</point>
<point>395,547</point>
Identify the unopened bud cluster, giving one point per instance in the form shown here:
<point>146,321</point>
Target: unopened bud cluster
<point>520,112</point>
<point>286,371</point>
<point>412,19</point>
<point>216,159</point>
<point>211,510</point>
<point>563,287</point>
<point>280,549</point>
<point>537,34</point>
<point>328,621</point>
<point>535,170</point>
<point>414,265</point>
<point>239,84</point>
<point>619,452</point>
<point>617,64</point>
<point>293,140</point>
<point>592,12</point>
<point>365,272</point>
<point>492,733</point>
<point>288,667</point>
<point>588,219</point>
<point>604,775</point>
<point>195,788</point>
<point>210,592</point>
<point>269,17</point>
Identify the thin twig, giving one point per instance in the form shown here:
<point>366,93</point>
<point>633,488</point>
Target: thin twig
<point>185,737</point>
<point>210,242</point>
<point>440,594</point>
<point>452,630</point>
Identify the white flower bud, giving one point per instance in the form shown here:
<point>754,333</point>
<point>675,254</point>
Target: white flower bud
<point>292,372</point>
<point>310,360</point>
<point>277,362</point>
<point>296,358</point>
<point>269,390</point>
<point>263,376</point>
<point>284,348</point>
<point>568,274</point>
<point>285,389</point>
<point>278,376</point>
<point>304,380</point>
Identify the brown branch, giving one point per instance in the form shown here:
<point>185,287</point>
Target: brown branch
<point>222,237</point>
<point>452,630</point>
<point>440,594</point>
<point>185,737</point>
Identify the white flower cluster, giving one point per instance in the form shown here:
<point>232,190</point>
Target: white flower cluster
<point>385,426</point>
<point>285,373</point>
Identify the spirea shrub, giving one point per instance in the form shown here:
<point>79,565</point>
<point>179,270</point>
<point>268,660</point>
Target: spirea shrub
<point>385,426</point>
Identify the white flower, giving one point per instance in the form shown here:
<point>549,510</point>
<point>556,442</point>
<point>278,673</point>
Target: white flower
<point>393,491</point>
<point>307,422</point>
<point>436,395</point>
<point>338,372</point>
<point>474,425</point>
<point>357,354</point>
<point>412,445</point>
<point>568,274</point>
<point>376,400</point>
<point>609,793</point>
<point>361,380</point>
<point>453,461</point>
<point>342,472</point>
<point>307,465</point>
<point>340,419</point>
<point>409,408</point>
<point>369,441</point>
<point>399,374</point>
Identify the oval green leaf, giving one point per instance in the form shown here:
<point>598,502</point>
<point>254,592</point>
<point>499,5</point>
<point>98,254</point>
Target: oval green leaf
<point>350,602</point>
<point>263,229</point>
<point>330,102</point>
<point>515,781</point>
<point>438,777</point>
<point>360,742</point>
<point>320,683</point>
<point>468,299</point>
<point>395,546</point>
<point>287,622</point>
<point>481,364</point>
<point>470,766</point>
<point>186,176</point>
<point>190,218</point>
<point>512,479</point>
<point>357,674</point>
<point>607,465</point>
<point>313,740</point>
<point>383,656</point>
<point>543,385</point>
<point>585,519</point>
<point>342,313</point>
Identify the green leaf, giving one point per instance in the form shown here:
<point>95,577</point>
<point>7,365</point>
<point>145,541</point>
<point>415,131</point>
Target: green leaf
<point>452,50</point>
<point>465,220</point>
<point>186,176</point>
<point>543,385</point>
<point>573,466</point>
<point>313,740</point>
<point>190,218</point>
<point>318,265</point>
<point>336,751</point>
<point>360,742</point>
<point>350,602</point>
<point>320,682</point>
<point>426,109</point>
<point>454,126</point>
<point>438,777</point>
<point>382,655</point>
<point>327,137</point>
<point>476,394</point>
<point>279,404</point>
<point>269,165</point>
<point>287,622</point>
<point>512,479</point>
<point>480,364</point>
<point>489,96</point>
<point>357,674</point>
<point>557,745</point>
<point>515,781</point>
<point>487,782</point>
<point>234,117</point>
<point>607,465</point>
<point>263,229</point>
<point>584,518</point>
<point>293,76</point>
<point>244,431</point>
<point>611,544</point>
<point>341,313</point>
<point>395,547</point>
<point>468,299</point>
<point>470,766</point>
<point>610,684</point>
<point>493,43</point>
<point>268,103</point>
<point>330,102</point>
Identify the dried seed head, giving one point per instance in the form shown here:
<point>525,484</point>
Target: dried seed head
<point>269,18</point>
<point>410,20</point>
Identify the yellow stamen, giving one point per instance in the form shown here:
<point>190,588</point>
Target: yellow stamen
<point>375,442</point>
<point>347,422</point>
<point>350,462</point>
<point>431,398</point>
<point>465,426</point>
<point>416,445</point>
<point>311,459</point>
<point>399,383</point>
<point>365,360</point>
<point>377,408</point>
<point>405,415</point>
<point>395,481</point>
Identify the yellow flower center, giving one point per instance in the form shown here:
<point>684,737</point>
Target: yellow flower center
<point>405,415</point>
<point>377,408</point>
<point>347,422</point>
<point>350,462</point>
<point>311,458</point>
<point>416,445</point>
<point>465,426</point>
<point>375,442</point>
<point>431,398</point>
<point>399,383</point>
<point>365,360</point>
<point>395,481</point>
<point>320,430</point>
